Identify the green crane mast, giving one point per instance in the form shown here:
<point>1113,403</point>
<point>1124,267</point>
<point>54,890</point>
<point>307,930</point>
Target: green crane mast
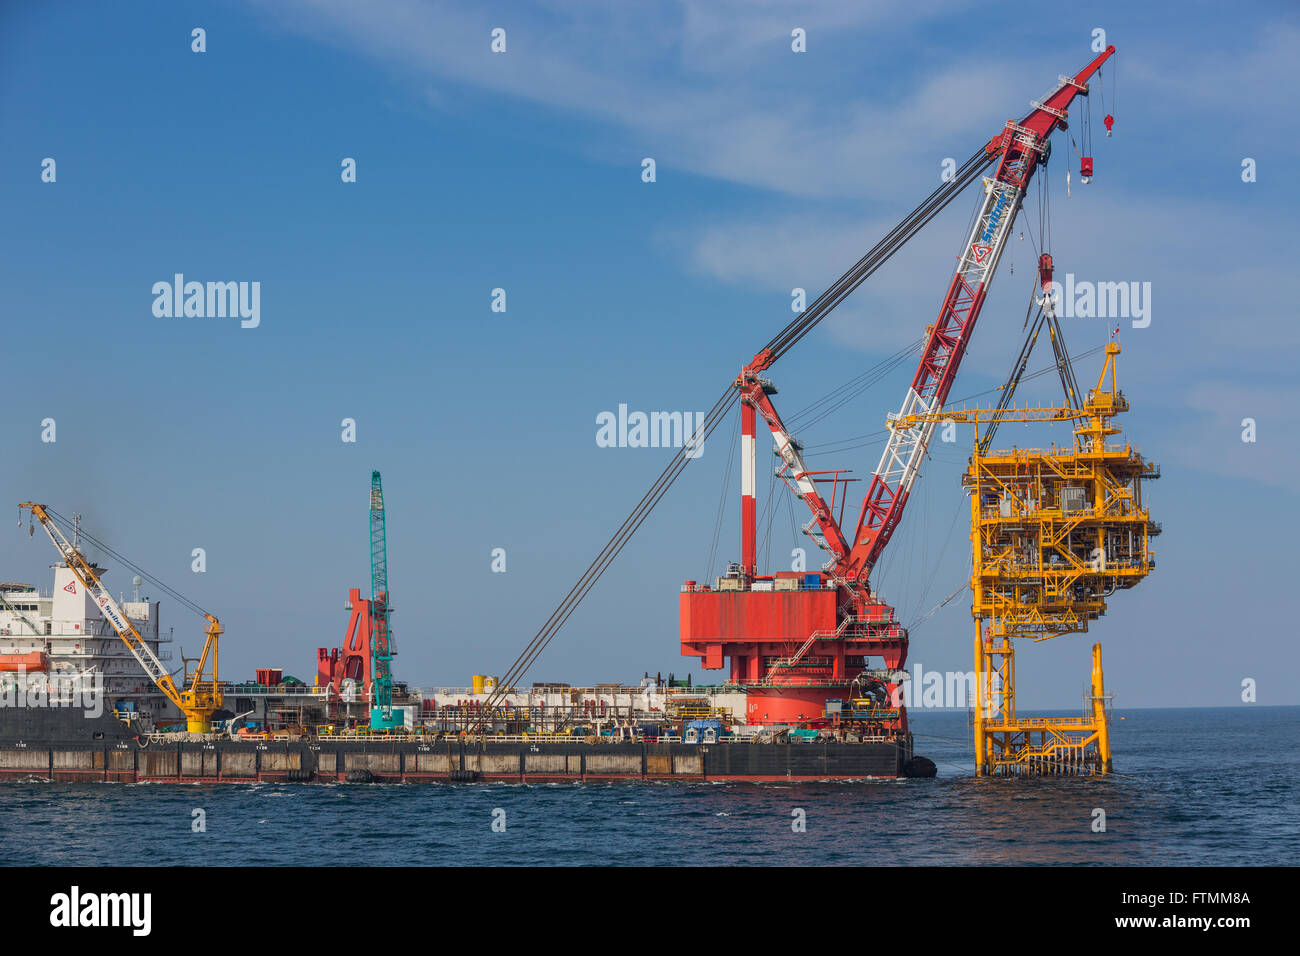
<point>381,639</point>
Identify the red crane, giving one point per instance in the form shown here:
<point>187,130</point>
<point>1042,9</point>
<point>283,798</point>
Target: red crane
<point>768,624</point>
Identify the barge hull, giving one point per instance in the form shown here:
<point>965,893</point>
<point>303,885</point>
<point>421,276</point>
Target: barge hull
<point>443,762</point>
<point>65,746</point>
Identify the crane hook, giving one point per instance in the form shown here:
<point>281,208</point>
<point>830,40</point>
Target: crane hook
<point>1109,121</point>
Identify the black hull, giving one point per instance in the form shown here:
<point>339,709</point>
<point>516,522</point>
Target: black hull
<point>63,745</point>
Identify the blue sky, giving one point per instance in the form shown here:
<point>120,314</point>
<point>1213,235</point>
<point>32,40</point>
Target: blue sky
<point>522,171</point>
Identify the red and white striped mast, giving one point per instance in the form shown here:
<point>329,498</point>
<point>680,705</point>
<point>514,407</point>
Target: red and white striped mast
<point>748,490</point>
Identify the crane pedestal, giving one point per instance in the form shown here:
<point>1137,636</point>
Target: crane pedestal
<point>792,647</point>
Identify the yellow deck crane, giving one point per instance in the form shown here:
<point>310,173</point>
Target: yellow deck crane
<point>201,696</point>
<point>1054,533</point>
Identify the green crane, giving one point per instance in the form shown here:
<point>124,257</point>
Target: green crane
<point>381,638</point>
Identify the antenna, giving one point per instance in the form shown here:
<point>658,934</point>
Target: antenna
<point>135,583</point>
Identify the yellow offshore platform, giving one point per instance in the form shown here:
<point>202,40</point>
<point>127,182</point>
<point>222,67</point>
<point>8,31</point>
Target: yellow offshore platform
<point>1054,532</point>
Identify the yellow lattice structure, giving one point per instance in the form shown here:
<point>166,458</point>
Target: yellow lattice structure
<point>1054,532</point>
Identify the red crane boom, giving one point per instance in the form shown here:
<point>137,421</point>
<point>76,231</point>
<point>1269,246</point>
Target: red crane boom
<point>800,644</point>
<point>1021,147</point>
<point>754,626</point>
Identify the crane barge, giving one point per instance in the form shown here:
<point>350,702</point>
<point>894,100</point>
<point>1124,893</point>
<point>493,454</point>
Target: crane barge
<point>767,633</point>
<point>800,645</point>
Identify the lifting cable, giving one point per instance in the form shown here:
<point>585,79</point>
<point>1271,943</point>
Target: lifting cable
<point>1114,87</point>
<point>838,398</point>
<point>1062,365</point>
<point>170,592</point>
<point>881,253</point>
<point>1008,389</point>
<point>855,381</point>
<point>1044,211</point>
<point>722,500</point>
<point>794,525</point>
<point>763,523</point>
<point>786,339</point>
<point>771,503</point>
<point>602,561</point>
<point>828,404</point>
<point>876,437</point>
<point>930,613</point>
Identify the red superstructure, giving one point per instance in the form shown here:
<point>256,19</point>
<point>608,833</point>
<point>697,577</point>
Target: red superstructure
<point>352,661</point>
<point>796,640</point>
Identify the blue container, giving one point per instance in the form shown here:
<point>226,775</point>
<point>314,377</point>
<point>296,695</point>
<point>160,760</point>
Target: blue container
<point>702,731</point>
<point>705,724</point>
<point>812,582</point>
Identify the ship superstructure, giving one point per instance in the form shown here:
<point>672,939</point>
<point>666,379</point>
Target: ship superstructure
<point>63,626</point>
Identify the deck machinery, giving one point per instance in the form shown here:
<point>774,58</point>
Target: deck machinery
<point>796,641</point>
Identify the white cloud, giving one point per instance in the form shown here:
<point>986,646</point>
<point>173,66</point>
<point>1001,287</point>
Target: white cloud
<point>711,87</point>
<point>1233,90</point>
<point>712,90</point>
<point>1211,307</point>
